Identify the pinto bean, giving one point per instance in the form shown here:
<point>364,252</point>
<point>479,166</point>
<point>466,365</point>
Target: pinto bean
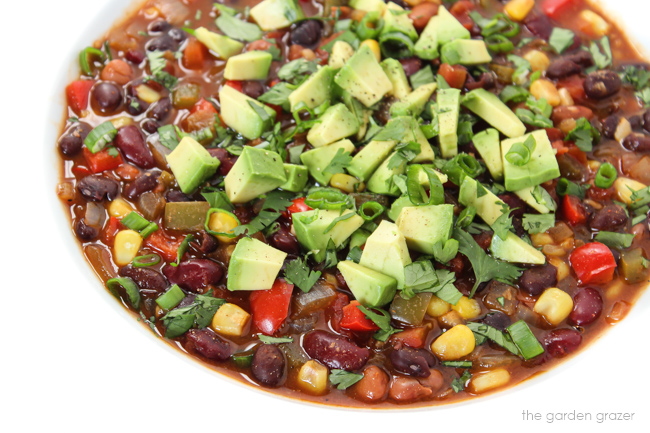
<point>373,386</point>
<point>98,188</point>
<point>601,84</point>
<point>118,71</point>
<point>575,112</point>
<point>335,351</point>
<point>268,365</point>
<point>208,344</point>
<point>406,389</point>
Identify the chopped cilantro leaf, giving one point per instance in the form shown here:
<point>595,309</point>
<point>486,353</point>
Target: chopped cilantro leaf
<point>298,273</point>
<point>561,39</point>
<point>344,379</point>
<point>341,160</point>
<point>534,223</point>
<point>380,318</point>
<point>458,384</point>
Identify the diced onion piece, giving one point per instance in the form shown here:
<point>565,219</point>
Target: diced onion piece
<point>625,186</point>
<point>147,94</point>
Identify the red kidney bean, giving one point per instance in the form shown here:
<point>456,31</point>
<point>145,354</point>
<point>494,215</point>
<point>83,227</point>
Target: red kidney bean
<point>411,65</point>
<point>562,67</point>
<point>335,351</point>
<point>143,183</point>
<point>601,84</point>
<point>561,342</point>
<point>414,362</point>
<point>587,306</point>
<point>285,241</point>
<point>208,344</point>
<point>609,218</point>
<point>226,159</point>
<point>107,97</point>
<point>537,279</point>
<point>149,281</point>
<point>268,365</point>
<point>408,389</point>
<point>539,25</point>
<point>130,141</point>
<point>98,188</point>
<point>195,274</point>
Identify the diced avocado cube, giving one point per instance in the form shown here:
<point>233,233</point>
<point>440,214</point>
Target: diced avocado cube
<point>363,77</point>
<point>191,164</point>
<point>396,207</point>
<point>542,166</point>
<point>336,123</point>
<point>358,238</point>
<point>489,207</point>
<point>276,14</point>
<point>427,45</point>
<point>297,176</point>
<point>369,5</point>
<point>237,113</point>
<point>359,111</point>
<point>490,108</point>
<point>366,161</point>
<point>223,46</point>
<point>516,250</point>
<point>413,132</point>
<point>465,52</point>
<point>316,90</point>
<point>448,112</point>
<point>396,20</point>
<point>425,226</point>
<point>252,65</point>
<point>314,231</point>
<point>369,287</point>
<point>395,73</point>
<point>413,103</point>
<point>254,265</point>
<point>386,252</point>
<point>449,28</point>
<point>381,181</point>
<point>185,215</point>
<point>317,160</point>
<point>341,53</point>
<point>489,147</point>
<point>256,171</point>
<point>546,203</point>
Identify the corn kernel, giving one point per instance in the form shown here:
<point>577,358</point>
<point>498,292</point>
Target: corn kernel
<point>454,344</point>
<point>554,305</point>
<point>230,319</point>
<point>622,130</point>
<point>437,307</point>
<point>563,270</point>
<point>545,89</point>
<point>538,60</point>
<point>119,208</point>
<point>518,9</point>
<point>593,165</point>
<point>567,125</point>
<point>126,246</point>
<point>489,380</point>
<point>625,187</point>
<point>541,239</point>
<point>121,121</point>
<point>450,319</point>
<point>593,24</point>
<point>467,308</point>
<point>312,377</point>
<point>223,222</point>
<point>347,183</point>
<point>565,97</point>
<point>374,47</point>
<point>147,94</point>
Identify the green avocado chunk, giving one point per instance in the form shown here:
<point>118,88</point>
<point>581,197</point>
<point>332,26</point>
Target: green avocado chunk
<point>297,177</point>
<point>363,77</point>
<point>254,265</point>
<point>341,53</point>
<point>369,5</point>
<point>255,172</point>
<point>191,164</point>
<point>252,65</point>
<point>516,250</point>
<point>489,147</point>
<point>541,167</point>
<point>317,160</point>
<point>381,181</point>
<point>335,124</point>
<point>488,206</point>
<point>425,226</point>
<point>276,14</point>
<point>237,113</point>
<point>386,252</point>
<point>490,108</point>
<point>396,19</point>
<point>316,90</point>
<point>395,73</point>
<point>223,46</point>
<point>314,229</point>
<point>369,287</point>
<point>413,103</point>
<point>465,52</point>
<point>448,112</point>
<point>366,161</point>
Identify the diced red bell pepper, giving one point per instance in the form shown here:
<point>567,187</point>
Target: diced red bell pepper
<point>574,84</point>
<point>194,55</point>
<point>235,84</point>
<point>555,8</point>
<point>460,10</point>
<point>298,206</point>
<point>455,76</point>
<point>593,263</point>
<point>166,246</point>
<point>203,105</point>
<point>414,337</point>
<point>103,160</point>
<point>271,307</point>
<point>354,319</point>
<point>77,94</point>
<point>111,230</point>
<point>573,210</point>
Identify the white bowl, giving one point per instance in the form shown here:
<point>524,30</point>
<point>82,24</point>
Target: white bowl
<point>78,360</point>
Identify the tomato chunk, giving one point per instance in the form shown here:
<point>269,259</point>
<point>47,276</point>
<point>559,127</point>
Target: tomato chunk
<point>455,76</point>
<point>237,85</point>
<point>106,159</point>
<point>555,8</point>
<point>271,307</point>
<point>298,205</point>
<point>77,94</point>
<point>166,246</point>
<point>593,263</point>
<point>354,319</point>
<point>194,54</point>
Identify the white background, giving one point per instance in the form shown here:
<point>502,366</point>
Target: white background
<point>71,360</point>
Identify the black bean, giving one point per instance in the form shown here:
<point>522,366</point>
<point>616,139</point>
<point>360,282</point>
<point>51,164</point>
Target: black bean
<point>486,81</point>
<point>411,65</point>
<point>610,218</point>
<point>285,241</point>
<point>636,122</point>
<point>159,26</point>
<point>208,344</point>
<point>517,205</point>
<point>609,125</point>
<point>497,319</point>
<point>252,88</point>
<point>226,159</point>
<point>72,141</point>
<point>581,57</point>
<point>143,183</point>
<point>306,33</point>
<point>637,142</point>
<point>195,274</point>
<point>107,97</point>
<point>562,67</point>
<point>537,279</point>
<point>162,43</point>
<point>646,120</point>
<point>173,195</point>
<point>205,243</point>
<point>130,141</point>
<point>96,187</point>
<point>135,106</point>
<point>601,84</point>
<point>161,110</point>
<point>149,126</point>
<point>177,34</point>
<point>85,232</point>
<point>414,362</point>
<point>149,281</point>
<point>268,365</point>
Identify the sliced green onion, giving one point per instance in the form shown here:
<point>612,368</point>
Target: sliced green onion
<point>129,287</point>
<point>370,26</point>
<point>243,359</point>
<point>84,56</point>
<point>135,221</point>
<point>499,44</point>
<point>371,210</point>
<point>100,136</point>
<point>182,248</point>
<point>525,340</point>
<point>396,45</point>
<point>566,187</point>
<point>146,260</point>
<point>170,298</point>
<point>638,219</point>
<point>605,176</point>
<point>329,199</point>
<point>229,232</point>
<point>460,166</point>
<point>457,364</point>
<point>150,228</point>
<point>416,192</point>
<point>500,338</point>
<point>520,153</point>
